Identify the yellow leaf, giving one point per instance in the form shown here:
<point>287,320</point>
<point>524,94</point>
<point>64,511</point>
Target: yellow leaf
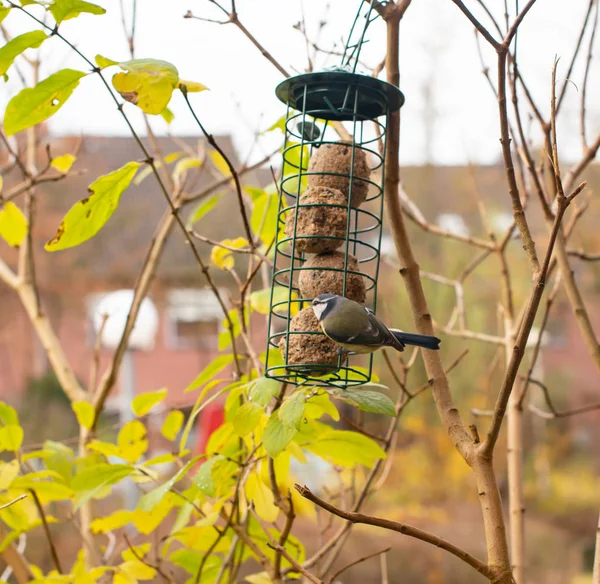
<point>34,105</point>
<point>141,550</point>
<point>8,473</point>
<point>105,448</point>
<point>183,166</point>
<point>147,521</point>
<point>262,497</point>
<point>191,86</point>
<point>222,257</point>
<point>63,163</point>
<point>86,217</point>
<point>144,402</point>
<point>104,62</point>
<point>346,448</point>
<point>138,570</point>
<point>85,413</point>
<point>11,437</point>
<point>132,441</point>
<point>172,425</point>
<point>220,163</point>
<point>13,225</point>
<point>111,522</point>
<point>148,83</point>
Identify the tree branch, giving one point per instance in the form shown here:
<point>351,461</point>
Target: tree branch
<point>400,528</point>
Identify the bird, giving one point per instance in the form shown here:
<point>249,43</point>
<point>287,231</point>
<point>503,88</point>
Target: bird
<point>356,329</point>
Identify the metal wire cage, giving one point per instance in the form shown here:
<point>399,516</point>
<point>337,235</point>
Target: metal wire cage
<point>314,101</point>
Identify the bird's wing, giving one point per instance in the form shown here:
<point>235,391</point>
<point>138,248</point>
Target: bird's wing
<point>375,334</point>
<point>381,333</point>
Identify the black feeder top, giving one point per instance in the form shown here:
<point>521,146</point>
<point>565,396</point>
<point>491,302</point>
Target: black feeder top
<point>332,95</point>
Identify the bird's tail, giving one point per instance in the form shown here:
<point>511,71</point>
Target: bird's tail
<point>424,341</point>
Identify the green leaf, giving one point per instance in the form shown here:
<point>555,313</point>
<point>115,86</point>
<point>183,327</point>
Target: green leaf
<point>345,448</point>
<point>11,50</point>
<point>63,163</point>
<point>85,413</point>
<point>262,390</point>
<point>203,208</point>
<point>203,478</point>
<point>11,437</point>
<point>191,560</point>
<point>33,105</point>
<point>8,473</point>
<point>144,402</point>
<point>100,474</point>
<point>246,418</point>
<point>263,219</point>
<point>261,300</point>
<point>167,115</point>
<point>215,366</point>
<point>8,415</point>
<point>94,478</point>
<point>291,411</point>
<point>154,497</point>
<point>13,225</point>
<point>172,424</point>
<point>60,459</point>
<point>148,83</point>
<point>3,12</point>
<point>66,9</point>
<point>104,62</point>
<point>277,435</point>
<point>368,401</point>
<point>86,217</point>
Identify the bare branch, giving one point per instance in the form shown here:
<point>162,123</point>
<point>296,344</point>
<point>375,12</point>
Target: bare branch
<point>400,528</point>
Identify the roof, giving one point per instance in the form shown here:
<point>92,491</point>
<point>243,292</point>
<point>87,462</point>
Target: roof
<point>117,252</point>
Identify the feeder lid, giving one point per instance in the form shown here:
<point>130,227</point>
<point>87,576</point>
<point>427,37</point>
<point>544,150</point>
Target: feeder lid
<point>331,95</point>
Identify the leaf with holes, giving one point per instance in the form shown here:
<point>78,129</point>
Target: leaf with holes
<point>66,9</point>
<point>132,441</point>
<point>12,49</point>
<point>147,83</point>
<point>85,218</point>
<point>34,105</point>
<point>13,225</point>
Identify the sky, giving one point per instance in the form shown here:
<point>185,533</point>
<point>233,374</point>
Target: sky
<point>457,125</point>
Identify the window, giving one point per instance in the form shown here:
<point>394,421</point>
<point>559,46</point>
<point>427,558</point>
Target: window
<point>193,319</point>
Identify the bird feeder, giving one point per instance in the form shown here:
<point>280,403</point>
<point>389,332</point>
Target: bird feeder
<point>329,219</point>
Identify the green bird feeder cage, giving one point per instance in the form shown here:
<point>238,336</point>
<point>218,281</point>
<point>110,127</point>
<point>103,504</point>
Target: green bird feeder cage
<point>330,219</point>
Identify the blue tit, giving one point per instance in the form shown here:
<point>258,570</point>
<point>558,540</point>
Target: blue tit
<point>355,328</point>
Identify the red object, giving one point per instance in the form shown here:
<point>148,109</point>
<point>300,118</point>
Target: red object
<point>209,420</point>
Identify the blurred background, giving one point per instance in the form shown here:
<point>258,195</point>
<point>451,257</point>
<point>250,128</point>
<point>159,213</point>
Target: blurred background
<point>450,166</point>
